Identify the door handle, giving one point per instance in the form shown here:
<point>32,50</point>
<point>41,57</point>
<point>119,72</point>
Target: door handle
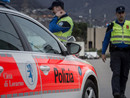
<point>1,69</point>
<point>45,69</point>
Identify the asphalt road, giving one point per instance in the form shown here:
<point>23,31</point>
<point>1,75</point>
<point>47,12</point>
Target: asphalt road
<point>104,76</point>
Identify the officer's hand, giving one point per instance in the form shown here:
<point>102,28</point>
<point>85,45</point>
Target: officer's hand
<point>60,13</point>
<point>103,57</point>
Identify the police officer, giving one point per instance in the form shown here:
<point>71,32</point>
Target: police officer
<point>61,25</point>
<point>118,35</point>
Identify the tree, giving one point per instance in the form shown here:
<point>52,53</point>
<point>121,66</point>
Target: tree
<point>80,31</point>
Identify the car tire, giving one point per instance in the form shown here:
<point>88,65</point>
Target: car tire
<point>90,90</point>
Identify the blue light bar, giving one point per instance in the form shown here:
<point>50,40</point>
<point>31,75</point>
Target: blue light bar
<point>5,1</point>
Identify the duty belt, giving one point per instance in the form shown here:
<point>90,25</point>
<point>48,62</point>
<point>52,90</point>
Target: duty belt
<point>115,48</point>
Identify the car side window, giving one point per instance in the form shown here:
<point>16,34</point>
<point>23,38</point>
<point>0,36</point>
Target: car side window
<point>9,40</point>
<point>39,39</point>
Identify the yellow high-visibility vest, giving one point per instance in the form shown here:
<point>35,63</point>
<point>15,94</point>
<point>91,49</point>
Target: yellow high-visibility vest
<point>63,36</point>
<point>121,34</point>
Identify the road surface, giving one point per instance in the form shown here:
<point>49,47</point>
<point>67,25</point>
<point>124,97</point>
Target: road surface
<point>104,76</point>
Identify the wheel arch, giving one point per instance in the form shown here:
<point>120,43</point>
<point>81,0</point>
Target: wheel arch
<point>93,77</point>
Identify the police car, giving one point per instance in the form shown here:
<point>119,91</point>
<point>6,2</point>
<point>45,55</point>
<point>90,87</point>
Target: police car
<point>35,64</point>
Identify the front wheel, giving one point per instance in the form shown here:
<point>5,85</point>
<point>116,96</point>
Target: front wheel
<point>90,90</point>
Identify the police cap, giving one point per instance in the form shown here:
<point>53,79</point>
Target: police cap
<point>120,9</point>
<point>57,3</point>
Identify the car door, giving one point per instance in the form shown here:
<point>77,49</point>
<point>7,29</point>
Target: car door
<point>18,71</point>
<point>60,78</point>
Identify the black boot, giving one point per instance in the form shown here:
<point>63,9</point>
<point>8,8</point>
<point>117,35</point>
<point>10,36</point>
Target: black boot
<point>116,95</point>
<point>123,96</point>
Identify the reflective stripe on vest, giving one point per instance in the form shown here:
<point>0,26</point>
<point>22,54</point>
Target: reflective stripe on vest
<point>120,37</point>
<point>118,41</point>
<point>63,36</point>
<point>121,34</point>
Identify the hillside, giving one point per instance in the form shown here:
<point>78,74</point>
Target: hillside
<point>99,8</point>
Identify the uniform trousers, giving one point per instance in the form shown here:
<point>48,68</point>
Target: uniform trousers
<point>120,65</point>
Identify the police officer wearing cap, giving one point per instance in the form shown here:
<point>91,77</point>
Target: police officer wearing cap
<point>118,35</point>
<point>61,25</point>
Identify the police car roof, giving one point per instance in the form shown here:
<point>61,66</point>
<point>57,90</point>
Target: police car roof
<point>15,12</point>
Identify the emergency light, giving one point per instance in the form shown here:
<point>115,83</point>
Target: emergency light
<point>5,1</point>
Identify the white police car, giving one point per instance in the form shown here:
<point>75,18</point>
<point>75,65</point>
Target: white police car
<point>35,64</point>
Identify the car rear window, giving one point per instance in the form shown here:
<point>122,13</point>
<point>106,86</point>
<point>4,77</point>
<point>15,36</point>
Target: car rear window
<point>9,40</point>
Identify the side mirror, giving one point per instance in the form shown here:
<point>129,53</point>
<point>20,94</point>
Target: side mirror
<point>73,48</point>
<point>71,39</point>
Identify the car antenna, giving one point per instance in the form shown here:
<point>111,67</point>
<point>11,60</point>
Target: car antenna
<point>6,5</point>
